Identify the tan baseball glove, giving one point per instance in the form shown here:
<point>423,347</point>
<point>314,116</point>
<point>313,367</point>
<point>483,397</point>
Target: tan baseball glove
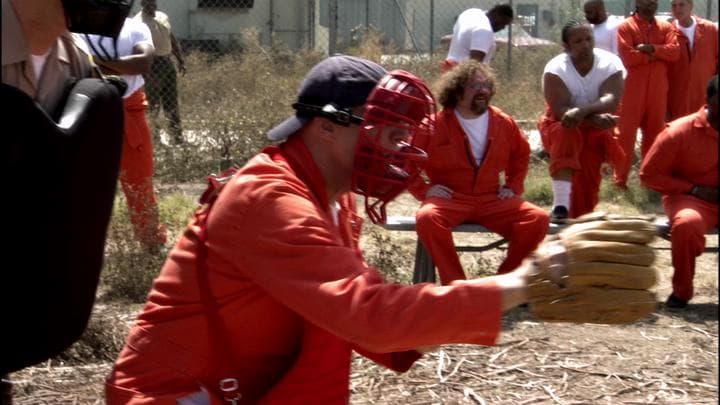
<point>596,270</point>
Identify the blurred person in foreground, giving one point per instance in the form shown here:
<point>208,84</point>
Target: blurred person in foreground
<point>698,62</point>
<point>60,157</point>
<point>473,35</point>
<point>477,162</point>
<point>646,45</point>
<point>129,56</point>
<point>682,165</point>
<point>161,79</point>
<point>266,294</point>
<point>582,88</point>
<point>604,25</point>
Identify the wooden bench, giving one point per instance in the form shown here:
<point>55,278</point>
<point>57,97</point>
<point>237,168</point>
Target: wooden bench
<point>424,269</point>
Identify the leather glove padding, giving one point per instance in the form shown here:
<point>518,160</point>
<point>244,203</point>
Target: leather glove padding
<point>596,271</point>
<point>595,305</point>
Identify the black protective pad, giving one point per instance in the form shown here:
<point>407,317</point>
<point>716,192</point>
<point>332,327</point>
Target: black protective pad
<point>58,182</point>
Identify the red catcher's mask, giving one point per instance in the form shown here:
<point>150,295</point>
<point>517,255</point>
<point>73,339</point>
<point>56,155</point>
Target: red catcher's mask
<point>390,153</point>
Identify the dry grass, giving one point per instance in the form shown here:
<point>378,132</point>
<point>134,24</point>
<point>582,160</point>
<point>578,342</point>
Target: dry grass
<point>229,102</point>
<point>668,358</point>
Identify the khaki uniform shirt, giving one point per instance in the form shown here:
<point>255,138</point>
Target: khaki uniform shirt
<point>65,61</point>
<point>160,29</point>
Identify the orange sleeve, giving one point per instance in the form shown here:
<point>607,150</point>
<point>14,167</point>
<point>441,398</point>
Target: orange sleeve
<point>519,160</point>
<point>656,171</point>
<point>710,32</point>
<point>295,254</point>
<point>669,50</point>
<point>626,47</point>
<point>419,188</point>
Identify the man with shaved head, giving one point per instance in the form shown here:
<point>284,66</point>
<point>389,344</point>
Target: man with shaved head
<point>698,39</point>
<point>604,26</point>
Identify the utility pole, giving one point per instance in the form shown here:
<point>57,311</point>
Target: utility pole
<point>708,11</point>
<point>432,27</point>
<point>509,45</point>
<point>332,28</point>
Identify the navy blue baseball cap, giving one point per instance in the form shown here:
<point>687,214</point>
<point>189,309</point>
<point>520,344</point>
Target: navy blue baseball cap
<point>341,81</point>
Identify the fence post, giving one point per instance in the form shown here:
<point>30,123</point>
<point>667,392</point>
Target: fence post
<point>407,27</point>
<point>367,15</point>
<point>311,24</point>
<point>271,23</point>
<point>432,27</point>
<point>332,28</point>
<point>509,45</point>
<point>708,11</point>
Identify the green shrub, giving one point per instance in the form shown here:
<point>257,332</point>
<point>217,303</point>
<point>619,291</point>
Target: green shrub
<point>129,271</point>
<point>645,200</point>
<point>228,103</point>
<point>538,184</point>
<point>391,258</point>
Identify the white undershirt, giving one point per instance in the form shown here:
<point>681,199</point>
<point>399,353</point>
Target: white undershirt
<point>605,34</point>
<point>38,62</point>
<point>688,31</point>
<point>585,90</point>
<point>477,133</point>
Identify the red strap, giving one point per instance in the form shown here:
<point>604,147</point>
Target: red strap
<point>228,385</point>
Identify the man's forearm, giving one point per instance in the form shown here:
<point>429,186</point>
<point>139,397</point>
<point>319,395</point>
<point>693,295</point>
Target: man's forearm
<point>127,65</point>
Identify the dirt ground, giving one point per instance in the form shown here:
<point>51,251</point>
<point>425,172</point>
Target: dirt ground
<point>671,357</point>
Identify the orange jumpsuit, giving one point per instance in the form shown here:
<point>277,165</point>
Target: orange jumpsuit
<point>475,193</point>
<point>446,65</point>
<point>582,149</point>
<point>136,171</point>
<point>295,297</point>
<point>644,100</point>
<point>689,75</point>
<point>685,155</point>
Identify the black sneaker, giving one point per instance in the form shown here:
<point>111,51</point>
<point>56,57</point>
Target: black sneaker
<point>559,214</point>
<point>674,302</point>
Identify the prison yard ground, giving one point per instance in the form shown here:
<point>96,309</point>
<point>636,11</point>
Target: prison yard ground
<point>668,357</point>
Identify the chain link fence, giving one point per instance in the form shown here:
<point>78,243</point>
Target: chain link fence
<point>245,59</point>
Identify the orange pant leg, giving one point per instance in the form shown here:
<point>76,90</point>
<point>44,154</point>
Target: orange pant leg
<point>654,119</point>
<point>434,223</point>
<point>678,104</point>
<point>563,145</point>
<point>691,218</point>
<point>586,181</point>
<point>582,150</point>
<point>523,224</point>
<point>136,171</point>
<point>632,112</point>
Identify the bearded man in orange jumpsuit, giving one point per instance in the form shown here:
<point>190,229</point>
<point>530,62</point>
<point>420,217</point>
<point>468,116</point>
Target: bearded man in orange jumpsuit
<point>646,46</point>
<point>472,145</point>
<point>582,88</point>
<point>266,295</point>
<point>688,76</point>
<point>131,58</point>
<point>682,165</point>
